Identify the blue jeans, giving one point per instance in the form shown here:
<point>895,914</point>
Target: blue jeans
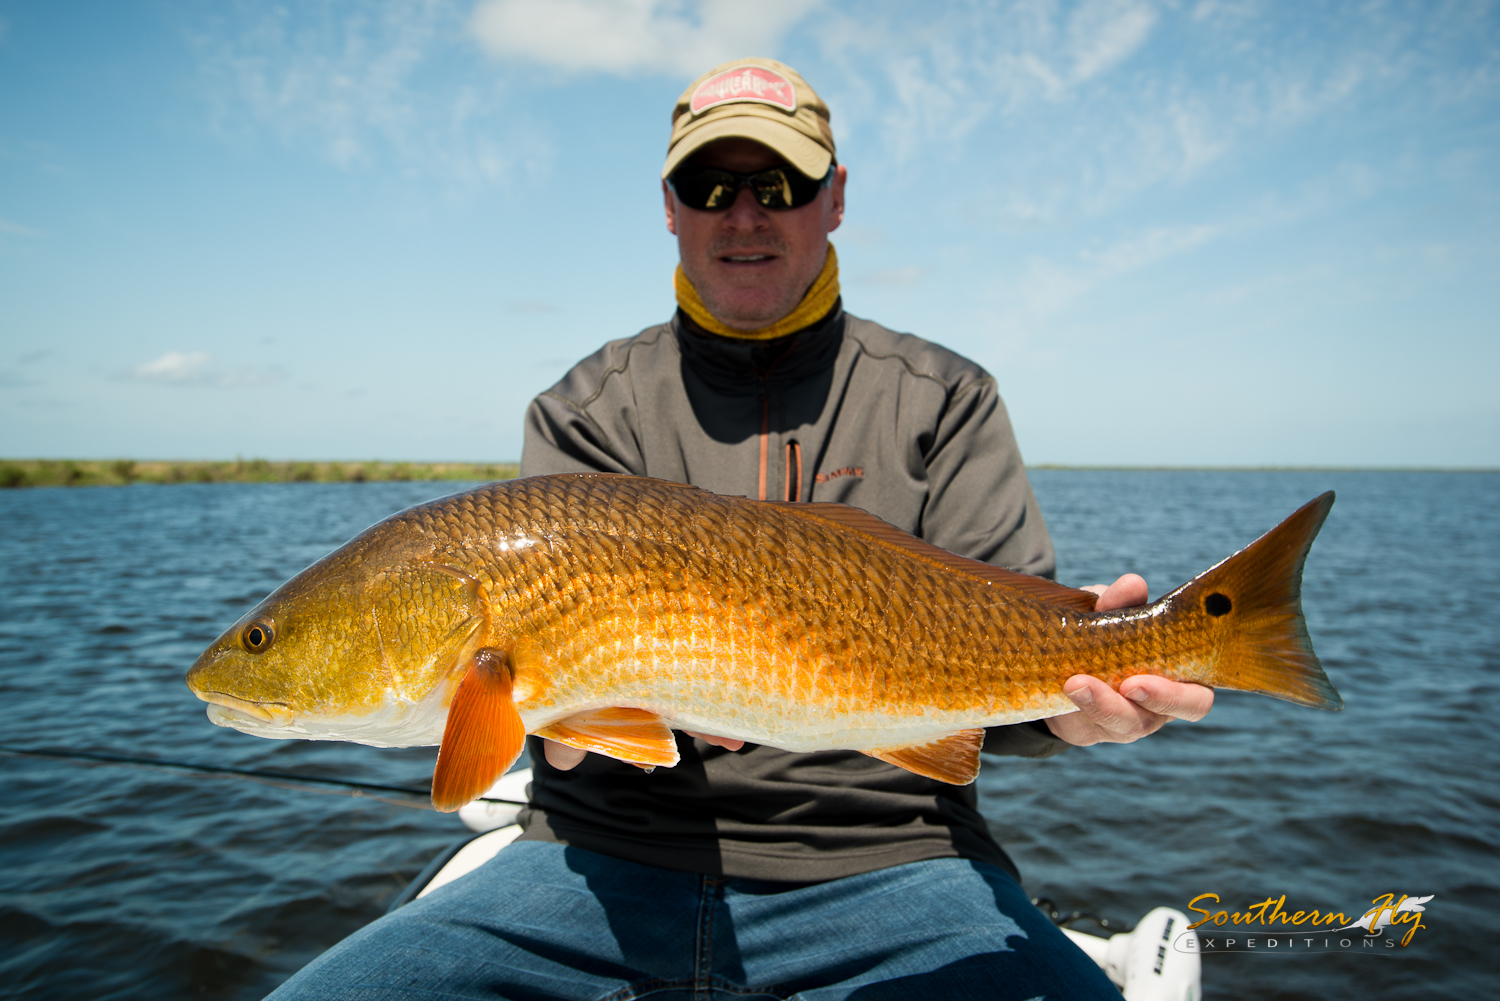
<point>545,921</point>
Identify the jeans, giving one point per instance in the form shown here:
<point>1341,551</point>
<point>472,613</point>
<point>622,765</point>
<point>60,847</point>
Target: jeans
<point>542,920</point>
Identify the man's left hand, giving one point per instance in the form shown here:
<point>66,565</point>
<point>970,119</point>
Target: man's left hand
<point>1144,703</point>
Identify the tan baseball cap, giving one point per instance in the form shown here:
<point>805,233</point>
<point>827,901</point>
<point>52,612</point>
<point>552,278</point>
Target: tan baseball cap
<point>758,99</point>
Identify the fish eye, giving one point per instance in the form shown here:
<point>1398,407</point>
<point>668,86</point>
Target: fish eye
<point>257,636</point>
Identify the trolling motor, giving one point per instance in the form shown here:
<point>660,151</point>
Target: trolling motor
<point>1158,961</point>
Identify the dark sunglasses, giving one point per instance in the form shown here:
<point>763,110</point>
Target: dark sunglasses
<point>712,190</point>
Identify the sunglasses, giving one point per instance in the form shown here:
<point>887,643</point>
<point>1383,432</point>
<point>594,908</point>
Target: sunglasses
<point>712,190</point>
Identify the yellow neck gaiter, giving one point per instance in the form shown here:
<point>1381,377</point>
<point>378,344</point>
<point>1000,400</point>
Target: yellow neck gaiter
<point>820,297</point>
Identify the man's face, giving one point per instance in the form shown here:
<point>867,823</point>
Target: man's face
<point>751,265</point>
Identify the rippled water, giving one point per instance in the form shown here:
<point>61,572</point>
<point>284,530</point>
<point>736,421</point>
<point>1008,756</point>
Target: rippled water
<point>120,882</point>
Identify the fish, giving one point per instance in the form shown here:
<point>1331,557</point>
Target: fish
<point>605,611</point>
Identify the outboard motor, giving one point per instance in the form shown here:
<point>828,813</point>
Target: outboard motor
<point>1157,962</point>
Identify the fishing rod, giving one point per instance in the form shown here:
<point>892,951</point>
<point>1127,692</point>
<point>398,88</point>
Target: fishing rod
<point>1062,920</point>
<point>417,798</point>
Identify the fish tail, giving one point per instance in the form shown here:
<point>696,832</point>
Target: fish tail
<point>1253,601</point>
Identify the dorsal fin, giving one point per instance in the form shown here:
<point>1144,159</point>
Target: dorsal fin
<point>863,521</point>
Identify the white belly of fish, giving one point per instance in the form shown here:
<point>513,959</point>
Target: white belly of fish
<point>721,712</point>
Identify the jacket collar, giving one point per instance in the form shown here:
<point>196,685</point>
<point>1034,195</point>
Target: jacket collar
<point>735,366</point>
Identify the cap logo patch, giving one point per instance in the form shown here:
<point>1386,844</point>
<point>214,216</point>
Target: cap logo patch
<point>744,83</point>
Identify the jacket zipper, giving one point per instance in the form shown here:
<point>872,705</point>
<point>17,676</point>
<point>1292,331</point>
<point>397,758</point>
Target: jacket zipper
<point>793,479</point>
<point>765,437</point>
<point>765,427</point>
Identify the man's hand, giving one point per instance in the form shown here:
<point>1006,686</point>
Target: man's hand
<point>564,758</point>
<point>1143,705</point>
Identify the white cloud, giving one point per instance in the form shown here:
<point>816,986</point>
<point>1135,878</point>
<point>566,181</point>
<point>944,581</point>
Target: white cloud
<point>1103,33</point>
<point>16,229</point>
<point>360,83</point>
<point>38,155</point>
<point>409,80</point>
<point>1147,248</point>
<point>634,36</point>
<point>173,367</point>
<point>933,80</point>
<point>191,368</point>
<point>1052,285</point>
<point>1075,109</point>
<point>1049,286</point>
<point>1086,103</point>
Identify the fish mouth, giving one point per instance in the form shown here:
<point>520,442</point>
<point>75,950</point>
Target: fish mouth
<point>275,713</point>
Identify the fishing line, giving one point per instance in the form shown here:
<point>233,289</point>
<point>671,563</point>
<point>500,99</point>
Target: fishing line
<point>1062,920</point>
<point>288,779</point>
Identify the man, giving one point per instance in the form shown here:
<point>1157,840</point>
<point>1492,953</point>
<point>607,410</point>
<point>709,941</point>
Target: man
<point>747,871</point>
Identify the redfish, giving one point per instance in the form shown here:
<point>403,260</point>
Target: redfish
<point>605,611</point>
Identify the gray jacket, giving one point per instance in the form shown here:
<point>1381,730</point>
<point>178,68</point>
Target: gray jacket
<point>844,411</point>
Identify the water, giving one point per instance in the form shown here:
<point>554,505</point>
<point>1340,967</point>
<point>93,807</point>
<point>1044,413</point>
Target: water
<point>120,882</point>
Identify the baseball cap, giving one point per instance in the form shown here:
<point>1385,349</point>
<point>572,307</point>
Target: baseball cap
<point>758,99</point>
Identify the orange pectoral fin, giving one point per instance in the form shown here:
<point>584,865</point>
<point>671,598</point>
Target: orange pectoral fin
<point>484,734</point>
<point>630,735</point>
<point>953,758</point>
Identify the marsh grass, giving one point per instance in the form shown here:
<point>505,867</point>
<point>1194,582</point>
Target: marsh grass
<point>16,473</point>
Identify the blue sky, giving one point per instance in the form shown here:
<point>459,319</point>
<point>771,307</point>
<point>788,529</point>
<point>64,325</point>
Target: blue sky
<point>1177,233</point>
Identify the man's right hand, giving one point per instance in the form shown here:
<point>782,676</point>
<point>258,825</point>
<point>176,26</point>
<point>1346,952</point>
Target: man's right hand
<point>561,756</point>
<point>1144,704</point>
<point>565,758</point>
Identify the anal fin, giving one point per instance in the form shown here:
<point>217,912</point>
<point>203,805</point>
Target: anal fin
<point>483,736</point>
<point>634,736</point>
<point>951,758</point>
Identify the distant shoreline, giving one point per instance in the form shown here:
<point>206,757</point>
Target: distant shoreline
<point>17,473</point>
<point>1271,469</point>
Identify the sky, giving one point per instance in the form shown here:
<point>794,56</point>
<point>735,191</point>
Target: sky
<point>1177,233</point>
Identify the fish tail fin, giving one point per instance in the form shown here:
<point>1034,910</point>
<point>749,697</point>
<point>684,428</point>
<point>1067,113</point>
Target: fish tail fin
<point>1253,601</point>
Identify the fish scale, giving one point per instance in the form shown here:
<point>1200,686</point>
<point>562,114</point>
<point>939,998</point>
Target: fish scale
<point>791,553</point>
<point>602,610</point>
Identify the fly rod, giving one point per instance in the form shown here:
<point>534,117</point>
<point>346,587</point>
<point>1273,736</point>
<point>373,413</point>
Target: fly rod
<point>419,798</point>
